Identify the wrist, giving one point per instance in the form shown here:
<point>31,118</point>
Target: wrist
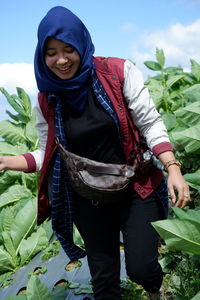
<point>172,164</point>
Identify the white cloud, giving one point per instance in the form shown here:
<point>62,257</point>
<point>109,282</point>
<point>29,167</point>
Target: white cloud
<point>180,43</point>
<point>14,75</point>
<point>18,75</point>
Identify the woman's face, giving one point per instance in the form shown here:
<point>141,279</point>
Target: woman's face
<point>62,59</point>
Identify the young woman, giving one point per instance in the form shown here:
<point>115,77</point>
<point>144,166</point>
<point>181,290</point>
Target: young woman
<point>85,101</point>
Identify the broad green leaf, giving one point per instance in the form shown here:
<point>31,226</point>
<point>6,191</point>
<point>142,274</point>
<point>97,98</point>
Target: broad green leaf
<point>192,93</point>
<point>30,131</point>
<point>37,290</point>
<point>156,90</point>
<point>180,235</point>
<point>188,138</point>
<point>6,262</point>
<point>5,276</point>
<point>174,79</point>
<point>47,225</point>
<point>153,65</point>
<point>33,244</point>
<point>193,179</point>
<point>23,223</point>
<point>59,293</point>
<point>8,178</point>
<point>14,193</point>
<point>195,68</point>
<point>190,214</point>
<point>14,101</point>
<point>25,100</point>
<point>169,120</point>
<point>77,237</point>
<point>7,218</point>
<point>11,134</point>
<point>160,57</point>
<point>8,149</point>
<point>8,244</point>
<point>84,289</point>
<point>189,115</point>
<point>17,118</point>
<point>173,70</point>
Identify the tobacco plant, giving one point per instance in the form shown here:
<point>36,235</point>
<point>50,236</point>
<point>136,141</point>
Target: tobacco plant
<point>177,97</point>
<point>20,238</point>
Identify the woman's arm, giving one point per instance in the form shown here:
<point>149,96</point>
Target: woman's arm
<point>32,161</point>
<point>17,163</point>
<point>152,129</point>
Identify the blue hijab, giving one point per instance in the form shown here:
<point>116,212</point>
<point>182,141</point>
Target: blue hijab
<point>61,24</point>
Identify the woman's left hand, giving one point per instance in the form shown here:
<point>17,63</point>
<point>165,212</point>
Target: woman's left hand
<point>178,187</point>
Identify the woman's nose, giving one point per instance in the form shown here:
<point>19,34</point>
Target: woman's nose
<point>62,59</point>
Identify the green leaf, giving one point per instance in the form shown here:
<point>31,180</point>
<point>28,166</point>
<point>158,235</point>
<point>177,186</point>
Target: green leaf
<point>24,222</point>
<point>160,57</point>
<point>169,120</point>
<point>48,228</point>
<point>11,134</point>
<point>8,149</point>
<point>77,237</point>
<point>152,65</point>
<point>6,262</point>
<point>14,101</point>
<point>5,276</point>
<point>7,218</point>
<point>182,235</point>
<point>8,244</point>
<point>193,179</point>
<point>190,214</point>
<point>25,100</point>
<point>31,132</point>
<point>13,194</point>
<point>37,290</point>
<point>156,90</point>
<point>188,138</point>
<point>189,115</point>
<point>192,93</point>
<point>174,79</point>
<point>59,293</point>
<point>32,245</point>
<point>84,289</point>
<point>195,68</point>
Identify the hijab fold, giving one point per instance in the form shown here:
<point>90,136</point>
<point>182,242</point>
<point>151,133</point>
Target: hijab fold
<point>61,24</point>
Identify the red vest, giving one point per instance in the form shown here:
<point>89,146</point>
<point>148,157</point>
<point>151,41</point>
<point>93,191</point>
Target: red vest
<point>110,72</point>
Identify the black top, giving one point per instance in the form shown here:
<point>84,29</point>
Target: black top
<point>92,133</point>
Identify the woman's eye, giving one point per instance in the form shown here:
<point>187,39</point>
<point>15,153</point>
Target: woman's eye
<point>69,49</point>
<point>50,53</point>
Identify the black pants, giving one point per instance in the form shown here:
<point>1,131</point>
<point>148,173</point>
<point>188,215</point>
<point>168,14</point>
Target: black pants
<point>100,229</point>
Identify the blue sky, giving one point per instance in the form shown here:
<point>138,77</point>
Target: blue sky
<point>127,29</point>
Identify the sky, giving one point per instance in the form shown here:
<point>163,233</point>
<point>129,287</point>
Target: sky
<point>128,29</point>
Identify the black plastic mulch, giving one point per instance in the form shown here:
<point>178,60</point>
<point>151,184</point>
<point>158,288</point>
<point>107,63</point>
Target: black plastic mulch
<point>55,272</point>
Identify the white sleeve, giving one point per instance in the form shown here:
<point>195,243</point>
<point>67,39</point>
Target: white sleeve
<point>42,128</point>
<point>143,111</point>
